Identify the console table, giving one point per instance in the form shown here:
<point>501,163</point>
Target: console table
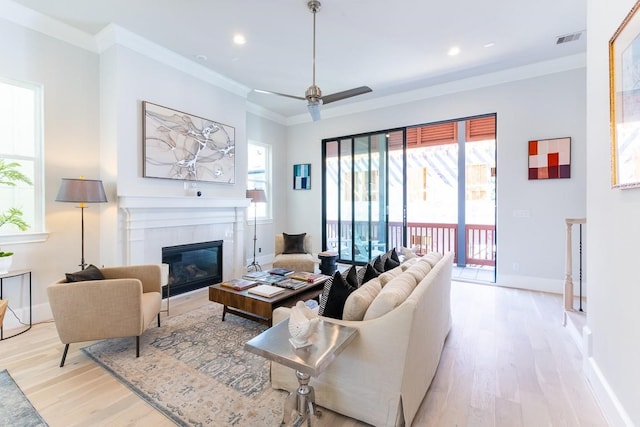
<point>326,343</point>
<point>8,275</point>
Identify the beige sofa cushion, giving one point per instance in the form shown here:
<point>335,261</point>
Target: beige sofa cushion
<point>432,258</point>
<point>359,300</point>
<point>388,275</point>
<point>392,295</point>
<point>419,269</point>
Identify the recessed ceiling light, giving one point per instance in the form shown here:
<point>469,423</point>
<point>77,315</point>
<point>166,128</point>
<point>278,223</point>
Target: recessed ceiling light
<point>453,51</point>
<point>201,57</point>
<point>490,44</point>
<point>239,39</point>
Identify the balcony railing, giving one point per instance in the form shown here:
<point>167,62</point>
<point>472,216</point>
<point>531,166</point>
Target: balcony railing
<point>480,241</point>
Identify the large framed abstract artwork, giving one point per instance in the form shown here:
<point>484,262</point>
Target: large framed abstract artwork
<point>624,96</point>
<point>182,146</point>
<point>302,176</point>
<point>550,158</point>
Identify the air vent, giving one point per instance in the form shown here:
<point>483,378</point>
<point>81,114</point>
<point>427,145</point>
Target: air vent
<point>568,38</point>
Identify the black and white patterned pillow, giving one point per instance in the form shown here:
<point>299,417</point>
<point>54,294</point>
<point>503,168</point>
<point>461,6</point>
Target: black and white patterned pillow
<point>325,294</point>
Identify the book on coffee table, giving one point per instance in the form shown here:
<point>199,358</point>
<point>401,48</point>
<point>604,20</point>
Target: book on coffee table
<point>281,271</point>
<point>238,284</point>
<point>270,279</point>
<point>309,277</point>
<point>291,284</point>
<point>266,290</point>
<point>254,275</point>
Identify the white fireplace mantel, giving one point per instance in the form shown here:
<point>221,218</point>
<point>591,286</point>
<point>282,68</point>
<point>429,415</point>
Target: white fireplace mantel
<point>152,222</point>
<point>159,202</point>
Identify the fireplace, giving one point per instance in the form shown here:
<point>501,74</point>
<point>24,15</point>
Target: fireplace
<point>192,266</point>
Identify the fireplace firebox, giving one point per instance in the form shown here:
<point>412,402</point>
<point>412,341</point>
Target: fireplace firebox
<point>192,266</point>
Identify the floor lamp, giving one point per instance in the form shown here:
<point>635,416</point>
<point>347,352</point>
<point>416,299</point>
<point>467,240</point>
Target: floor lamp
<point>81,191</point>
<point>256,196</point>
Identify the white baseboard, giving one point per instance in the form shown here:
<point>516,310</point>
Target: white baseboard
<point>41,312</point>
<point>555,286</point>
<point>613,410</point>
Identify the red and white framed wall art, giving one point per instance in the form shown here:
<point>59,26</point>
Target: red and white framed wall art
<point>550,158</point>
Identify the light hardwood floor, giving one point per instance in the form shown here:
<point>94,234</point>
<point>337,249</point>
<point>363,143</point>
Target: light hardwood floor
<point>507,362</point>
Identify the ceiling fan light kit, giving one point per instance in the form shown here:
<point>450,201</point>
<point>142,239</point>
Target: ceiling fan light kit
<point>313,94</point>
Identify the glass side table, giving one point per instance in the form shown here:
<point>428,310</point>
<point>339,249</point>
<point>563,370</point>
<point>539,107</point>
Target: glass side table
<point>8,275</point>
<point>326,344</point>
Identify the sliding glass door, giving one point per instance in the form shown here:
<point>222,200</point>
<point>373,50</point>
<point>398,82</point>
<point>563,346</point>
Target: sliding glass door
<point>429,187</point>
<point>355,178</point>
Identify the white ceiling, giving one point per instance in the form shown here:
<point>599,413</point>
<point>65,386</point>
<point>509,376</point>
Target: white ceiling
<point>391,47</point>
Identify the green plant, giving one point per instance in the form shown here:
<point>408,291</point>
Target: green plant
<point>4,254</point>
<point>10,176</point>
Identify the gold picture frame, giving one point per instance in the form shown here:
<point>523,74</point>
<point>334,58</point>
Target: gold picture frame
<point>624,94</point>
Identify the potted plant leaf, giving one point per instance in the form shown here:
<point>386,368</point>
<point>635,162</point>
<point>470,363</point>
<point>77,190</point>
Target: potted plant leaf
<point>10,176</point>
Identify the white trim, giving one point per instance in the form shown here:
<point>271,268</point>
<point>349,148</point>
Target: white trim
<point>19,238</point>
<point>524,72</point>
<point>613,410</point>
<point>36,21</point>
<point>113,35</point>
<point>540,284</point>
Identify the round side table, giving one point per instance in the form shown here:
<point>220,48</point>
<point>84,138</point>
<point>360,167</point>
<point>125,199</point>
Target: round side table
<point>328,262</point>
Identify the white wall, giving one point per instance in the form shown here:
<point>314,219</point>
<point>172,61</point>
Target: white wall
<point>69,76</point>
<point>134,78</point>
<point>533,108</point>
<point>613,346</point>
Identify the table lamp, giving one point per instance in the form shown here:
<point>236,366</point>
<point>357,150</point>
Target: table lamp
<point>81,191</point>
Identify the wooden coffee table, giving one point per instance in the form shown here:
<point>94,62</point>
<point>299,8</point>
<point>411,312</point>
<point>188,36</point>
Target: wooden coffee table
<point>255,307</point>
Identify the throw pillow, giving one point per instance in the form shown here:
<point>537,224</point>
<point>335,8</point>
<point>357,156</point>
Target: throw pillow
<point>324,296</point>
<point>90,273</point>
<point>366,273</point>
<point>359,300</point>
<point>351,276</point>
<point>337,296</point>
<point>392,295</point>
<point>293,243</point>
<point>388,275</point>
<point>394,255</point>
<point>433,258</point>
<point>419,270</point>
<point>378,264</point>
<point>390,264</point>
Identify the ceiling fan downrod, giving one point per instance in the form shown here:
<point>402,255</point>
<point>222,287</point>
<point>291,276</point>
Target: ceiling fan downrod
<point>313,93</point>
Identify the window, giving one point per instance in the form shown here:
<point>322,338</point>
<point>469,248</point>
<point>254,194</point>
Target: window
<point>259,176</point>
<point>21,144</point>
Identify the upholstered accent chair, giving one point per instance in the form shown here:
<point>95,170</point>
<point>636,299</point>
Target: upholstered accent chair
<point>301,260</point>
<point>123,304</point>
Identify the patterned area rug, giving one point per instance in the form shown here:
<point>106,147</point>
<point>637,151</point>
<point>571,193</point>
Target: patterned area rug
<point>195,371</point>
<point>15,408</point>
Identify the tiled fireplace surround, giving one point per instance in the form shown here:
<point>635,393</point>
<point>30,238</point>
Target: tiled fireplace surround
<point>148,224</point>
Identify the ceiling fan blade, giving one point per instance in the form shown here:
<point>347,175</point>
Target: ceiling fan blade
<point>280,94</point>
<point>314,110</point>
<point>345,94</point>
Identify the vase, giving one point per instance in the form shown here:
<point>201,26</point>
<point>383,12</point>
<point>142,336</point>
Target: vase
<point>5,263</point>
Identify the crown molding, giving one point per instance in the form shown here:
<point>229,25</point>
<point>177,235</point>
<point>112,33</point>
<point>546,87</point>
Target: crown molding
<point>525,72</point>
<point>36,21</point>
<point>113,35</point>
<point>260,111</point>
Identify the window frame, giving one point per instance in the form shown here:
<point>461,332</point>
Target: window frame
<point>36,232</point>
<point>268,211</point>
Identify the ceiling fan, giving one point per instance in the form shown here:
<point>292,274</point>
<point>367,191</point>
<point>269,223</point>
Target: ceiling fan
<point>313,95</point>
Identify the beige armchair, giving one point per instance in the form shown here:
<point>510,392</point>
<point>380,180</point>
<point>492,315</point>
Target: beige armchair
<point>297,261</point>
<point>123,304</point>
